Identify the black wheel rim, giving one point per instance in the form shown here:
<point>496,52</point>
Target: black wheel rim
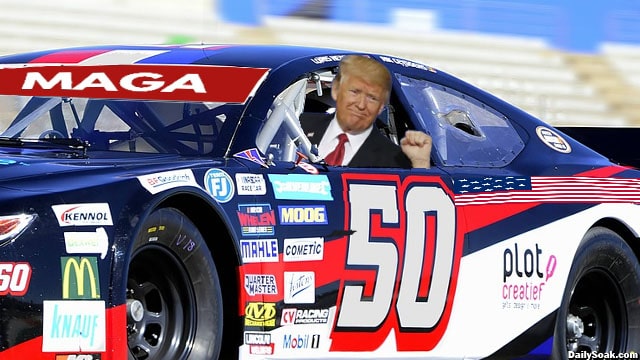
<point>160,306</point>
<point>597,319</point>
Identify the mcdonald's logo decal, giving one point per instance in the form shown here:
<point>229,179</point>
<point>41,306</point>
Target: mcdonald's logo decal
<point>80,278</point>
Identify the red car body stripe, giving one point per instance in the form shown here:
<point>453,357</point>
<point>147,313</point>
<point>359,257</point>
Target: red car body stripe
<point>68,57</point>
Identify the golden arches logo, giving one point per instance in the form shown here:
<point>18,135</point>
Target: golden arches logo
<point>80,267</point>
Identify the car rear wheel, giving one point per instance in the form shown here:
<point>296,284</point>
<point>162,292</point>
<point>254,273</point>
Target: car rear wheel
<point>600,311</point>
<point>174,300</point>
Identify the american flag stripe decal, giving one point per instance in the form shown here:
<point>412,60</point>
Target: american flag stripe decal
<point>497,190</point>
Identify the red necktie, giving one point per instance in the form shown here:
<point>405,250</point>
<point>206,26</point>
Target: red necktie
<point>335,157</point>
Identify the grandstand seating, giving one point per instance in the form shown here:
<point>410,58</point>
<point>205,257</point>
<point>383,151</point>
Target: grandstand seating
<point>559,87</point>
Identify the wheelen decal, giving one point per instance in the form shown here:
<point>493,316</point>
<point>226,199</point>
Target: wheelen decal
<point>260,284</point>
<point>301,186</point>
<point>80,278</point>
<point>219,185</point>
<point>158,182</point>
<point>396,279</point>
<point>78,357</point>
<point>259,250</point>
<point>88,214</point>
<point>302,214</point>
<point>303,249</point>
<point>86,242</point>
<point>14,278</point>
<point>140,81</point>
<point>259,343</point>
<point>252,155</point>
<point>260,314</point>
<point>299,287</point>
<point>525,272</point>
<point>304,316</point>
<point>73,326</point>
<point>553,140</point>
<point>251,184</point>
<point>256,219</point>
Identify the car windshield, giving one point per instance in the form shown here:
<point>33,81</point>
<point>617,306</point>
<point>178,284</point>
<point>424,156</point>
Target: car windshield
<point>185,128</point>
<point>465,131</point>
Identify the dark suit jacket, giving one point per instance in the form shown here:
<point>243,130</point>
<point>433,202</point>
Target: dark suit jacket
<point>376,151</point>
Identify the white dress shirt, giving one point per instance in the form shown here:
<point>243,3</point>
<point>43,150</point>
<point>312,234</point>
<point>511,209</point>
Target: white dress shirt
<point>330,140</point>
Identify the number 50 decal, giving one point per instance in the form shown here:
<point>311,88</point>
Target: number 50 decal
<point>401,265</point>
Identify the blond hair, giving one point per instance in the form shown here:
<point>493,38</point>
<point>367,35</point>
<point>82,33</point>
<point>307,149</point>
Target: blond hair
<point>367,69</point>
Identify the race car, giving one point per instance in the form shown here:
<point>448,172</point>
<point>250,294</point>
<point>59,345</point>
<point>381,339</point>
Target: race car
<point>164,202</point>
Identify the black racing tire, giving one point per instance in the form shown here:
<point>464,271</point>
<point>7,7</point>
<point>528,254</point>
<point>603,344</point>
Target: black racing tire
<point>174,299</point>
<point>600,310</point>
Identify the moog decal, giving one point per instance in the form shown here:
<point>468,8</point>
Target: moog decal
<point>401,265</point>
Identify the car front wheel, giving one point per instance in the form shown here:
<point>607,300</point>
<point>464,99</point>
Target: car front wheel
<point>600,311</point>
<point>174,300</point>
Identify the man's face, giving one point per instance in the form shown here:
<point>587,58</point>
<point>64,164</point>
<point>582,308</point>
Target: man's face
<point>358,102</point>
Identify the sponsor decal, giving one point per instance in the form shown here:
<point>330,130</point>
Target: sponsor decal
<point>301,186</point>
<point>406,63</point>
<point>304,316</point>
<point>80,278</point>
<point>326,59</point>
<point>302,215</point>
<point>258,284</point>
<point>303,249</point>
<point>260,314</point>
<point>261,349</point>
<point>259,250</point>
<point>257,338</point>
<point>553,140</point>
<point>73,326</point>
<point>259,343</point>
<point>308,167</point>
<point>78,357</point>
<point>14,278</point>
<point>90,214</point>
<point>251,184</point>
<point>252,155</point>
<point>158,182</point>
<point>11,162</point>
<point>87,242</point>
<point>301,341</point>
<point>525,272</point>
<point>139,81</point>
<point>256,219</point>
<point>300,287</point>
<point>219,184</point>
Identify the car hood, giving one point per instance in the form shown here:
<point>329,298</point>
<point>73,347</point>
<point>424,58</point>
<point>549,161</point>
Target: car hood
<point>38,173</point>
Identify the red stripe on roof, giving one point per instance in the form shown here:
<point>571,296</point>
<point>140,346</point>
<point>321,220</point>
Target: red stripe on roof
<point>69,56</point>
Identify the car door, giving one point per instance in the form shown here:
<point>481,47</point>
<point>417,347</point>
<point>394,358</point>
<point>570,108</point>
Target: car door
<point>358,255</point>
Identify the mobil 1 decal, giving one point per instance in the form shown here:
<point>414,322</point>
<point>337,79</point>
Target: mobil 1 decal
<point>401,265</point>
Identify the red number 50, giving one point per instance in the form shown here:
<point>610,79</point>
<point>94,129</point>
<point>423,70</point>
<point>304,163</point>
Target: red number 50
<point>411,229</point>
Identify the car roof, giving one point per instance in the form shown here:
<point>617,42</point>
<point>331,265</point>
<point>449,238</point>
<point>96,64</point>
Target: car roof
<point>263,56</point>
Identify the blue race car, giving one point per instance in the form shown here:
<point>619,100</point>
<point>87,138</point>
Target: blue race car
<point>164,202</point>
